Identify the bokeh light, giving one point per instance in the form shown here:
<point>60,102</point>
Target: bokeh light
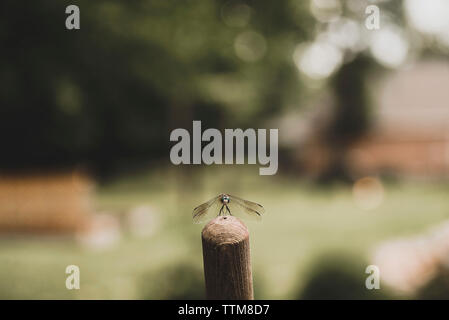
<point>344,33</point>
<point>430,16</point>
<point>250,46</point>
<point>236,14</point>
<point>326,10</point>
<point>389,46</point>
<point>318,60</point>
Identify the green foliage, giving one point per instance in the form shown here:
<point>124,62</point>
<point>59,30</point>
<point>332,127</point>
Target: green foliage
<point>110,92</point>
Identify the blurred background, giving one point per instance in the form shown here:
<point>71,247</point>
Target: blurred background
<point>86,115</point>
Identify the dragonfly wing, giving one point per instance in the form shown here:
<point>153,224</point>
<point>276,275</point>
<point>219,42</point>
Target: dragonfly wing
<point>257,208</point>
<point>245,208</point>
<point>206,210</point>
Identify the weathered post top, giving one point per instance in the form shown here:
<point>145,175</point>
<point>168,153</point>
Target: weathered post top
<point>227,263</point>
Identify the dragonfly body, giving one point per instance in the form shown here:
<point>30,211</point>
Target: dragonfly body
<point>227,204</point>
<point>225,199</point>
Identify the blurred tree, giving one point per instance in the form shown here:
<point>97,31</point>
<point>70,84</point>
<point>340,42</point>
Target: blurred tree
<point>351,117</point>
<point>108,94</point>
<point>351,113</point>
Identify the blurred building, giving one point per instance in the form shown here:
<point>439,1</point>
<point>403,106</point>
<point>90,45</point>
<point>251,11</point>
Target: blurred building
<point>45,203</point>
<point>411,129</point>
<point>409,135</point>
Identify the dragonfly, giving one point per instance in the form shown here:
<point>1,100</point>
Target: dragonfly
<point>227,204</point>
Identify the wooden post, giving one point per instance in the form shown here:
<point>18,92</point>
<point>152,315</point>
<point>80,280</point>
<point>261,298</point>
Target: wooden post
<point>227,263</point>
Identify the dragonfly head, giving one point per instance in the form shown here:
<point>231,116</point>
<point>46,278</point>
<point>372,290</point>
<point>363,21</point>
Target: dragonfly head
<point>225,199</point>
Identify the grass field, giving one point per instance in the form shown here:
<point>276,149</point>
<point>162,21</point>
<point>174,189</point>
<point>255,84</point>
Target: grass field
<point>302,223</point>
